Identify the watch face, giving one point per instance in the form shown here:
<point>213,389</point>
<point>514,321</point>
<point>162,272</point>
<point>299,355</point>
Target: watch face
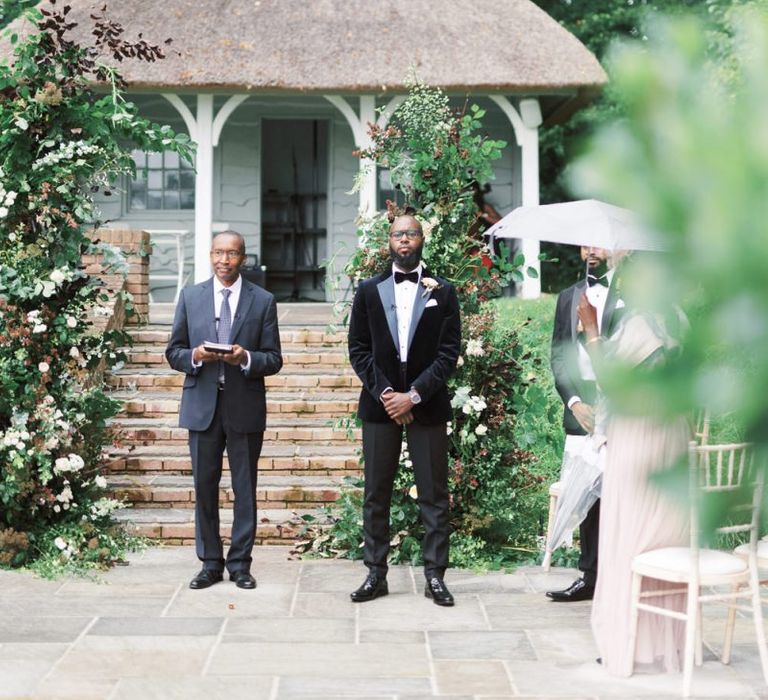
<point>415,398</point>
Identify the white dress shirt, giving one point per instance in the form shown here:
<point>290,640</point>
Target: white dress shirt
<point>405,298</point>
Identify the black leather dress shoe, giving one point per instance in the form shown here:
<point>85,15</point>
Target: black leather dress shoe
<point>205,578</point>
<point>578,590</point>
<point>243,579</point>
<point>374,586</point>
<point>437,590</point>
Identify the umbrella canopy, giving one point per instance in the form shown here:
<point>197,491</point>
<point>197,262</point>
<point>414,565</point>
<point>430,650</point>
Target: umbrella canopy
<point>586,222</point>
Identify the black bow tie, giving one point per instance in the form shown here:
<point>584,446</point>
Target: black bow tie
<point>407,276</point>
<point>592,281</point>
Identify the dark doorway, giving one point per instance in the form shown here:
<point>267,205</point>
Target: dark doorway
<point>294,209</point>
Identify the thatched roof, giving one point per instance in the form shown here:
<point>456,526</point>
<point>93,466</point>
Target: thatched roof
<point>354,46</point>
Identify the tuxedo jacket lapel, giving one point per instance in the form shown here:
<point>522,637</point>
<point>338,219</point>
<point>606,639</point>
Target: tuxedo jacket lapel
<point>208,304</point>
<point>578,290</point>
<point>419,304</point>
<point>386,289</point>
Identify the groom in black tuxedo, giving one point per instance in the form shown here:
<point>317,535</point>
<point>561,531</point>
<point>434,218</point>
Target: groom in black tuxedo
<point>404,341</point>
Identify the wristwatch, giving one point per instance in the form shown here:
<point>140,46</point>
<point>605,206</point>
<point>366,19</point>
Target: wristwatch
<point>413,395</point>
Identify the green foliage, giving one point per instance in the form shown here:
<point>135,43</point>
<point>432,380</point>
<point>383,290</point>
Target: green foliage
<point>59,143</point>
<point>690,159</point>
<point>11,9</point>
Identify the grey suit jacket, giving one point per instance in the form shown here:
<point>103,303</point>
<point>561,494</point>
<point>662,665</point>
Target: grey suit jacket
<point>254,327</point>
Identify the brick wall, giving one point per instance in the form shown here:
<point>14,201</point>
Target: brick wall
<point>136,246</point>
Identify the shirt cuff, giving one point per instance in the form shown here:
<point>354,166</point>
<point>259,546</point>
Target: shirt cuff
<point>245,367</point>
<point>573,400</point>
<point>386,391</point>
<point>195,364</point>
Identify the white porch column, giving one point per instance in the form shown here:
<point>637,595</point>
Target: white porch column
<point>203,187</point>
<point>525,126</point>
<point>205,131</point>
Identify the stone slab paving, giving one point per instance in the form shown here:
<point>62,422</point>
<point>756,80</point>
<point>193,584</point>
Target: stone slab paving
<point>139,633</point>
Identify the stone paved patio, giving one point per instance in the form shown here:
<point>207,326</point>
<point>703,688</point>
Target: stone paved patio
<point>140,633</point>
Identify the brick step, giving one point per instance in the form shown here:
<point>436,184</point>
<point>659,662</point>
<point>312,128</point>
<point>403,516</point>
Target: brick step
<point>286,404</point>
<point>156,431</point>
<point>275,492</point>
<point>160,335</point>
<point>278,459</point>
<point>308,357</point>
<point>177,525</point>
<point>163,378</point>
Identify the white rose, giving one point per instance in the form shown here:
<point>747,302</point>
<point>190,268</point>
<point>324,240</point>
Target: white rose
<point>10,198</point>
<point>48,288</point>
<point>22,123</point>
<point>74,352</point>
<point>3,212</point>
<point>44,367</point>
<point>413,492</point>
<point>481,429</point>
<point>57,277</point>
<point>60,543</point>
<point>100,481</point>
<point>475,348</point>
<point>39,328</point>
<point>71,322</point>
<point>76,462</point>
<point>61,465</point>
<point>460,361</point>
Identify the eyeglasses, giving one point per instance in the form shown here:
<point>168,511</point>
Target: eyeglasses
<point>410,234</point>
<point>226,254</point>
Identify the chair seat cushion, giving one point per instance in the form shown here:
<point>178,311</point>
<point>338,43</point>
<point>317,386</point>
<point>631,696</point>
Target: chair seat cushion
<point>762,553</point>
<point>674,563</point>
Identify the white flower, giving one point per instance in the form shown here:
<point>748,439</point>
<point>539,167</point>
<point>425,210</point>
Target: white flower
<point>57,277</point>
<point>100,481</point>
<point>12,236</point>
<point>408,464</point>
<point>3,212</point>
<point>10,198</point>
<point>22,123</point>
<point>48,288</point>
<point>74,352</point>
<point>460,361</point>
<point>43,366</point>
<point>61,465</point>
<point>475,348</point>
<point>413,492</point>
<point>430,285</point>
<point>65,496</point>
<point>449,429</point>
<point>76,462</point>
<point>481,429</point>
<point>71,322</point>
<point>467,408</point>
<point>39,328</point>
<point>60,543</point>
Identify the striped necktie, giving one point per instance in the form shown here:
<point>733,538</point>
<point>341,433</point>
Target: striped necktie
<point>225,326</point>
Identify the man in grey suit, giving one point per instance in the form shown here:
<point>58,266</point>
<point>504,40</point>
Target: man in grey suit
<point>223,402</point>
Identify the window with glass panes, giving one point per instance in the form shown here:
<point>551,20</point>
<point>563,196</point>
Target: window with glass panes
<point>162,181</point>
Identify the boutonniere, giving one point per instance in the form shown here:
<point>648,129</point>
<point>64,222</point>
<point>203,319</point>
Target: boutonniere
<point>430,285</point>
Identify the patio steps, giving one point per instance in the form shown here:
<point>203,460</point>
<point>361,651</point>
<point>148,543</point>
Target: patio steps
<point>307,454</point>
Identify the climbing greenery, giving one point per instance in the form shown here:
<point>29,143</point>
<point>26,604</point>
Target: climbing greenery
<point>66,131</point>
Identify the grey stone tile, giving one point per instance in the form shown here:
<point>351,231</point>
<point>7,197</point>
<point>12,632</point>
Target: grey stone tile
<point>24,583</point>
<point>256,629</point>
<point>540,581</point>
<point>463,582</point>
<point>320,658</point>
<point>533,611</point>
<point>337,605</point>
<point>480,645</point>
<point>710,680</point>
<point>111,658</point>
<point>473,677</point>
<point>185,688</point>
<point>18,677</point>
<point>156,626</point>
<point>393,636</point>
<point>110,588</point>
<point>16,629</point>
<point>417,613</point>
<point>33,651</point>
<point>345,576</point>
<point>566,644</point>
<point>83,606</point>
<point>60,687</point>
<point>226,599</point>
<point>322,686</point>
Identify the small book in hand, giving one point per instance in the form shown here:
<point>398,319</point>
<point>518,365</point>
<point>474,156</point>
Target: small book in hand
<point>221,348</point>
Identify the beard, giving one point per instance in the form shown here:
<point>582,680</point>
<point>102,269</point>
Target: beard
<point>406,262</point>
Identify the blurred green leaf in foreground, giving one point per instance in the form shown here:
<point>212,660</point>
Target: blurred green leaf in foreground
<point>691,158</point>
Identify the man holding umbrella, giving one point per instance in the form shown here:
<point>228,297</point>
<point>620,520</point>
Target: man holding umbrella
<point>575,382</point>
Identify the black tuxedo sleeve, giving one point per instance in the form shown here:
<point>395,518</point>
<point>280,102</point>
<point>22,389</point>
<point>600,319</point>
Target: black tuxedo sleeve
<point>179,353</point>
<point>268,359</point>
<point>562,356</point>
<point>435,376</point>
<point>360,346</point>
